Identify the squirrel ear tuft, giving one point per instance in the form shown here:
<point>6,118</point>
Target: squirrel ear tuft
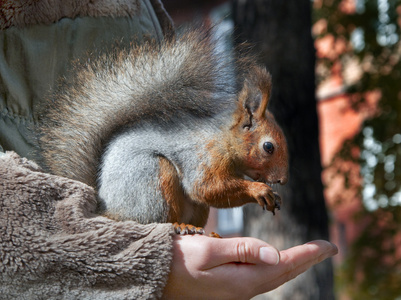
<point>255,94</point>
<point>253,101</point>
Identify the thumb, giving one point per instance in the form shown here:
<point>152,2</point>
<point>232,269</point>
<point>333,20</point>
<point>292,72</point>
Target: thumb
<point>245,250</point>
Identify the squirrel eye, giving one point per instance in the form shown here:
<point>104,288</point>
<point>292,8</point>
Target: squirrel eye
<point>268,147</point>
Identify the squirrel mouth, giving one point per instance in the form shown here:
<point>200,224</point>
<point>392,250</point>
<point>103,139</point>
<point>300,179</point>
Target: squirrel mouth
<point>264,181</point>
<point>255,176</point>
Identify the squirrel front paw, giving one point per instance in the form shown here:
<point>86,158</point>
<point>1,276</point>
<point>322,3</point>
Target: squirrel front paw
<point>265,197</point>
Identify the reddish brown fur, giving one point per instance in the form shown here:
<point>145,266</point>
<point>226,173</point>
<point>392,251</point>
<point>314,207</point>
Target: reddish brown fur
<point>238,150</point>
<point>176,200</point>
<point>171,189</point>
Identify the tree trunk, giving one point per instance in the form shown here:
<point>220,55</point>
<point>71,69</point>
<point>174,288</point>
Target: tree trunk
<point>281,33</point>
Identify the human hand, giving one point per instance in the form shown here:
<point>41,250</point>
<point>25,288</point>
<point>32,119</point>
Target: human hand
<point>236,268</point>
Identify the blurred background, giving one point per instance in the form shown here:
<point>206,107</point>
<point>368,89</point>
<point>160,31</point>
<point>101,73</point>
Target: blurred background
<point>337,94</point>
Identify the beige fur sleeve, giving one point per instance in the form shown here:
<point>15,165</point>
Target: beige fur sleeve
<point>53,246</point>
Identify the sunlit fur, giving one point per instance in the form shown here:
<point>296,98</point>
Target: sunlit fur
<point>165,131</point>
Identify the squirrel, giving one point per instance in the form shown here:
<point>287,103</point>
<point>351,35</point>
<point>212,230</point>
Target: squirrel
<point>164,131</point>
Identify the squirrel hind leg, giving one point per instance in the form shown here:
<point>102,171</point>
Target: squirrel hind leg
<point>184,229</point>
<point>171,190</point>
<point>180,209</point>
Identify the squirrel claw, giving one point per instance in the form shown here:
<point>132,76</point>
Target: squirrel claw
<point>277,204</point>
<point>277,201</point>
<point>215,235</point>
<point>184,229</point>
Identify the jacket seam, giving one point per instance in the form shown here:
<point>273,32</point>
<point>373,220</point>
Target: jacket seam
<point>12,116</point>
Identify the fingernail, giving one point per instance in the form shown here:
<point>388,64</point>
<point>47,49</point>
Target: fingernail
<point>269,255</point>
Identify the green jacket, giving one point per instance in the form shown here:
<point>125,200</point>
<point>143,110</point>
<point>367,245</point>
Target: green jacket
<point>39,42</point>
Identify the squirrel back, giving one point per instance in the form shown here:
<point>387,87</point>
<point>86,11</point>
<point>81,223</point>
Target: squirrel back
<point>164,131</point>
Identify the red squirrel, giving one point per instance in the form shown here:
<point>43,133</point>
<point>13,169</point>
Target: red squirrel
<point>164,131</point>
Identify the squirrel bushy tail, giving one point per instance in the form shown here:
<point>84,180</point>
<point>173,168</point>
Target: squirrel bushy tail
<point>173,82</point>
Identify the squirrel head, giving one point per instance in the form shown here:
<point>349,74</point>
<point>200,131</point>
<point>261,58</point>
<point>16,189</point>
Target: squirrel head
<point>259,142</point>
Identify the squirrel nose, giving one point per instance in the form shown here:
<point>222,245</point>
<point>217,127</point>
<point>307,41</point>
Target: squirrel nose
<point>282,181</point>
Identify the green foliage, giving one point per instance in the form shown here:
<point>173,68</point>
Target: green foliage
<point>372,269</point>
<point>372,33</point>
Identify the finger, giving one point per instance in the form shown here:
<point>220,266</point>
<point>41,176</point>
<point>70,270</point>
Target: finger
<point>243,250</point>
<point>312,252</point>
<point>296,260</point>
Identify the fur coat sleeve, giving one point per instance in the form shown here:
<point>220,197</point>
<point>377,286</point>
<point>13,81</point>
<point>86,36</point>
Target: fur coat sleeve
<point>53,246</point>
